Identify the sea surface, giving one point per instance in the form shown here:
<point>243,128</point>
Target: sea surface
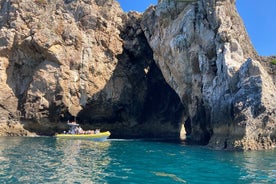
<point>49,160</point>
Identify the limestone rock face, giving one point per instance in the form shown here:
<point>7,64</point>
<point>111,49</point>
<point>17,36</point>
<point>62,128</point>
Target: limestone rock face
<point>57,55</point>
<point>80,59</point>
<point>202,49</point>
<point>137,75</point>
<point>55,52</point>
<point>268,64</point>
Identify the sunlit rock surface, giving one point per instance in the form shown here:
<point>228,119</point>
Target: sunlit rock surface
<point>137,75</point>
<point>88,60</point>
<point>205,55</point>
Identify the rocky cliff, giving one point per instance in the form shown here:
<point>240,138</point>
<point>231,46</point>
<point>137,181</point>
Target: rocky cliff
<point>138,75</point>
<point>88,60</point>
<point>205,55</point>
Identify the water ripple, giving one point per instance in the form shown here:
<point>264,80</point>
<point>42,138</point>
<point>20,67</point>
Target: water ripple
<point>50,160</point>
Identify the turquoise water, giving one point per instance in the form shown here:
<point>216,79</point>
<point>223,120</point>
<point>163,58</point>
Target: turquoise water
<point>47,160</point>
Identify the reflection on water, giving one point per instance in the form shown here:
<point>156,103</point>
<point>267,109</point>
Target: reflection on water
<point>82,158</point>
<point>50,160</point>
<point>47,160</point>
<point>259,166</point>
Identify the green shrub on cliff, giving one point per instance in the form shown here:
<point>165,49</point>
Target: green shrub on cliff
<point>273,61</point>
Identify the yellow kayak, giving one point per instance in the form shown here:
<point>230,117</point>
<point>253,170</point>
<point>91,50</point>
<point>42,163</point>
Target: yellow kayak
<point>102,136</point>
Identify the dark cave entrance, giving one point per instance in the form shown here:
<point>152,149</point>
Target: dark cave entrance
<point>151,109</point>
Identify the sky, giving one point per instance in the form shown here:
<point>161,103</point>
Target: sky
<point>259,17</point>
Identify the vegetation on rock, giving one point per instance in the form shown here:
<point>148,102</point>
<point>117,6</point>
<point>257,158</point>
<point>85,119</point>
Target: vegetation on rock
<point>273,62</point>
